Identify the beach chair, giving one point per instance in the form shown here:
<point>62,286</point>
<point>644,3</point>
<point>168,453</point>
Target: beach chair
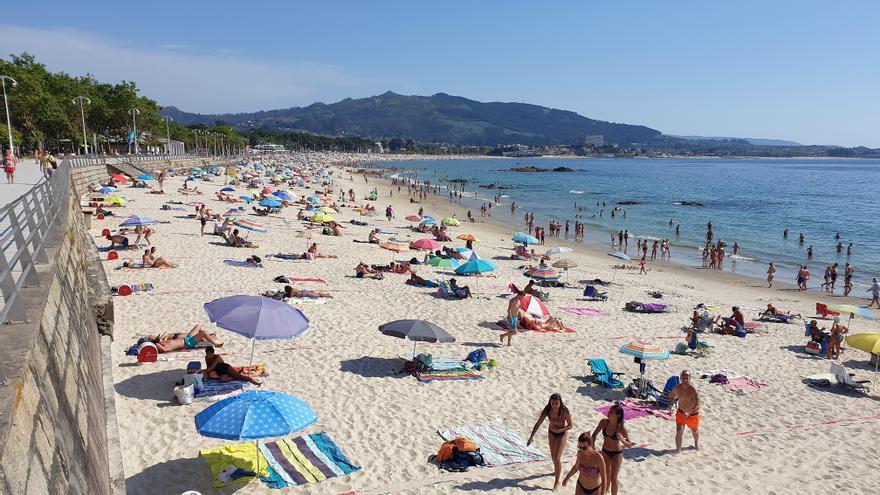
<point>814,347</point>
<point>823,311</point>
<point>603,375</point>
<point>671,383</point>
<point>846,379</point>
<point>591,294</point>
<point>444,291</point>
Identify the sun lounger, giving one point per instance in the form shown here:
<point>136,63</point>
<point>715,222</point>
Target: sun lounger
<point>602,374</point>
<point>671,383</point>
<point>846,380</point>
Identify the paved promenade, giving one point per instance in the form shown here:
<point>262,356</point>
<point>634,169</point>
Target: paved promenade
<point>27,174</point>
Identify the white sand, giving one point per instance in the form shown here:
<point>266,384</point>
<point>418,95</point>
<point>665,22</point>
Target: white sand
<point>387,424</point>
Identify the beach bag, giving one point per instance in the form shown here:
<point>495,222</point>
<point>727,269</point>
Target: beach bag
<point>447,450</point>
<point>477,356</point>
<point>464,444</point>
<point>633,306</point>
<point>194,379</point>
<point>813,347</point>
<point>185,394</point>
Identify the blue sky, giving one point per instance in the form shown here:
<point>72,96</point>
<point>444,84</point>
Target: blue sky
<point>803,70</point>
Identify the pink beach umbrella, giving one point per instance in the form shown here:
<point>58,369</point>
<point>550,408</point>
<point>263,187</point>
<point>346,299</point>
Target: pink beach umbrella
<point>414,218</point>
<point>425,244</point>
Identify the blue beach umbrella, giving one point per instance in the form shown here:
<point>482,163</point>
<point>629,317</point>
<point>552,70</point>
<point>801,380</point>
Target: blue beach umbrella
<point>619,255</point>
<point>474,267</point>
<point>312,199</point>
<point>254,415</point>
<point>271,203</point>
<point>246,199</point>
<point>146,177</point>
<point>524,238</point>
<point>107,190</point>
<point>138,220</point>
<point>283,195</point>
<point>429,221</point>
<point>227,189</point>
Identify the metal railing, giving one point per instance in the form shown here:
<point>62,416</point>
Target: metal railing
<point>25,224</point>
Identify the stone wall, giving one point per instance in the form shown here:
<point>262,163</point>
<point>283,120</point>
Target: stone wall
<point>58,431</point>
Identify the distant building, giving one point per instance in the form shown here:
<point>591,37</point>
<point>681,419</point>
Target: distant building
<point>267,148</point>
<point>175,148</point>
<point>594,140</point>
<point>379,147</point>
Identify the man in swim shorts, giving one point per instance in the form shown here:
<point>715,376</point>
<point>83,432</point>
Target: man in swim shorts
<point>512,317</point>
<point>688,412</point>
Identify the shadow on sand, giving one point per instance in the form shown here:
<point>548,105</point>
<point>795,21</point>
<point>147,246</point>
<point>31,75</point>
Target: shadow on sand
<point>373,367</point>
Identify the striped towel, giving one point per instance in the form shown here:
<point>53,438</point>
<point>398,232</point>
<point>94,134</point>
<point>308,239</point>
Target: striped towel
<point>453,374</point>
<point>499,445</point>
<point>584,311</point>
<point>304,460</point>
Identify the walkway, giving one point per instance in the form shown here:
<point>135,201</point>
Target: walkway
<point>27,174</point>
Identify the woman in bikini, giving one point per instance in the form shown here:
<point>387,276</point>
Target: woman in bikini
<point>557,432</point>
<point>227,373</point>
<point>615,439</point>
<point>169,342</point>
<point>591,468</point>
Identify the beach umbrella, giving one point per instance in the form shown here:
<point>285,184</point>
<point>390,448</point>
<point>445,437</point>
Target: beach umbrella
<point>429,218</point>
<point>444,262</point>
<point>542,274</point>
<point>257,318</point>
<point>246,199</point>
<point>195,171</point>
<point>270,203</point>
<point>119,178</point>
<point>138,220</point>
<point>644,351</point>
<point>283,195</point>
<point>854,311</point>
<point>557,250</point>
<point>250,225</point>
<point>417,331</point>
<point>254,415</point>
<point>414,218</point>
<point>228,189</point>
<point>428,221</point>
<point>468,237</point>
<point>425,244</point>
<point>397,247</point>
<point>146,177</point>
<point>451,222</point>
<point>619,255</point>
<point>195,203</point>
<point>524,238</point>
<point>868,342</point>
<point>107,190</point>
<point>534,306</point>
<point>328,210</point>
<point>115,200</point>
<point>565,264</point>
<point>235,212</point>
<point>474,267</point>
<point>321,218</point>
<point>267,191</point>
<point>313,199</point>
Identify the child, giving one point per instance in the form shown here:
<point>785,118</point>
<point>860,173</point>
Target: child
<point>642,266</point>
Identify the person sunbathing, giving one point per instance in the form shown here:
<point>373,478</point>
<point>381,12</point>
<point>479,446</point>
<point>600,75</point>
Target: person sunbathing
<point>214,363</point>
<point>168,342</point>
<point>459,291</point>
<point>771,311</point>
<point>546,324</point>
<point>417,280</point>
<point>289,292</point>
<point>530,289</point>
<point>235,240</point>
<point>151,261</point>
<point>731,323</point>
<point>313,253</point>
<point>364,271</point>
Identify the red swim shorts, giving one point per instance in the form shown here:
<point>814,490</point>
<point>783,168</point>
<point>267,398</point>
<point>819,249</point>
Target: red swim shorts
<point>691,422</point>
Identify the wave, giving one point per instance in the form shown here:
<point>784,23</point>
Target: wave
<point>575,192</point>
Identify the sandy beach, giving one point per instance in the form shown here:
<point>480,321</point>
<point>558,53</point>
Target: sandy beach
<point>785,438</point>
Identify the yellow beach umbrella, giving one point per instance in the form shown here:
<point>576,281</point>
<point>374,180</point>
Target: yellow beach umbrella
<point>114,200</point>
<point>321,218</point>
<point>327,209</point>
<point>870,343</point>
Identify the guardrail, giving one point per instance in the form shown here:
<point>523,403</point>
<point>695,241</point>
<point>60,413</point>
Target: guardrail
<point>24,226</point>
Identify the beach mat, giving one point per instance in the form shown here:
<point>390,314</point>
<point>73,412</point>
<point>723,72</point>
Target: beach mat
<point>304,460</point>
<point>241,263</point>
<point>584,311</point>
<point>453,374</point>
<point>634,409</point>
<point>243,456</point>
<point>499,445</point>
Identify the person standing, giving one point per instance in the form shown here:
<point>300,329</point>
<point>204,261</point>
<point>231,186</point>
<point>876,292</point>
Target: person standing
<point>389,213</point>
<point>512,317</point>
<point>557,432</point>
<point>47,163</point>
<point>771,273</point>
<point>614,439</point>
<point>591,469</point>
<point>9,163</point>
<point>848,272</point>
<point>688,412</point>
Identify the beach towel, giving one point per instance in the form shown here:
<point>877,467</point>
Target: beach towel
<point>452,374</point>
<point>437,363</point>
<point>498,445</point>
<point>634,408</point>
<point>318,280</point>
<point>131,266</point>
<point>305,300</point>
<point>215,390</point>
<point>253,371</point>
<point>503,324</point>
<point>241,456</point>
<point>743,385</point>
<point>243,263</point>
<point>304,460</point>
<point>640,307</point>
<point>584,311</point>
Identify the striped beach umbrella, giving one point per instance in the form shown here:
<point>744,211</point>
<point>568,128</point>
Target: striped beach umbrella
<point>468,237</point>
<point>397,247</point>
<point>235,212</point>
<point>250,225</point>
<point>542,274</point>
<point>136,220</point>
<point>533,306</point>
<point>644,350</point>
<point>565,264</point>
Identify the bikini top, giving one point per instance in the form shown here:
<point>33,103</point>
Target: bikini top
<point>557,421</point>
<point>590,471</point>
<point>606,435</point>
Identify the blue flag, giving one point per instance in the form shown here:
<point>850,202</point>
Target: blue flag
<point>130,137</point>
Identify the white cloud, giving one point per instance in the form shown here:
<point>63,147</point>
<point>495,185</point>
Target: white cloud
<point>218,81</point>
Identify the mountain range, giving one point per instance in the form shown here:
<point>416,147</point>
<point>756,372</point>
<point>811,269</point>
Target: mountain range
<point>440,118</point>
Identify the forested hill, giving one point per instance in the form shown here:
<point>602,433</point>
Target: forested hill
<point>440,118</point>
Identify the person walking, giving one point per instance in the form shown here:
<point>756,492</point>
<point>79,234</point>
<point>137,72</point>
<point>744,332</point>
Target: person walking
<point>875,293</point>
<point>688,412</point>
<point>9,164</point>
<point>557,432</point>
<point>771,273</point>
<point>512,317</point>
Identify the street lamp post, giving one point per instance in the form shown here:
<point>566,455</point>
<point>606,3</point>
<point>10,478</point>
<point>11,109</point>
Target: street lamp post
<point>168,133</point>
<point>82,113</point>
<point>6,103</point>
<point>134,113</point>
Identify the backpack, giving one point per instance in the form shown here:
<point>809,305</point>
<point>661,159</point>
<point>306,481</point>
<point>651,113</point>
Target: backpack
<point>464,444</point>
<point>477,356</point>
<point>447,450</point>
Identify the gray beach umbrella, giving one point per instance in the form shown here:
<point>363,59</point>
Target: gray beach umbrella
<point>416,330</point>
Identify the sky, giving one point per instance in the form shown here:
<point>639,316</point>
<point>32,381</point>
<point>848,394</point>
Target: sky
<point>805,70</point>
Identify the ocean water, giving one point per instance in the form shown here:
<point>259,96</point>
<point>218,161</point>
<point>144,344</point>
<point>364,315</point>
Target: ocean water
<point>748,201</point>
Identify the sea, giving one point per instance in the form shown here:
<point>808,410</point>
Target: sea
<point>749,201</point>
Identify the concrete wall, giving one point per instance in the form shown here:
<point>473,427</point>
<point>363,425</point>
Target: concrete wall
<point>58,431</point>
